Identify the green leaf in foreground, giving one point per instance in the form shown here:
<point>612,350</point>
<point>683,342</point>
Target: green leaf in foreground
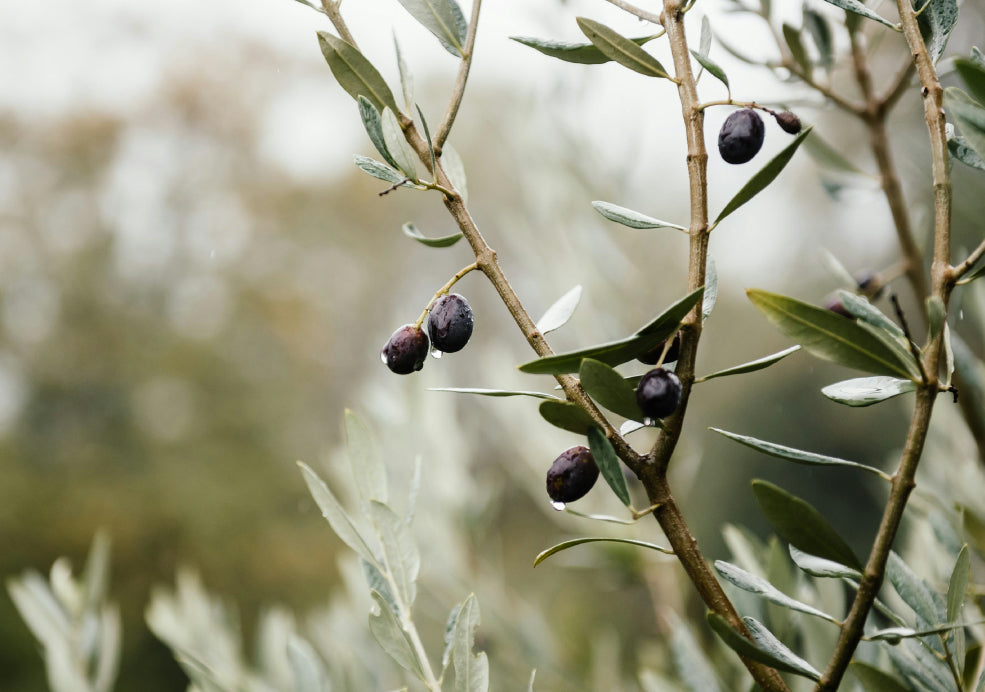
<point>608,463</point>
<point>410,230</point>
<point>957,584</point>
<point>608,388</point>
<point>494,392</point>
<point>337,517</point>
<point>567,416</point>
<point>800,524</point>
<point>829,336</point>
<point>744,647</point>
<point>374,128</point>
<point>386,630</point>
<point>768,642</point>
<point>856,7</point>
<point>618,352</point>
<point>578,541</point>
<point>819,567</point>
<point>865,391</point>
<point>766,175</point>
<point>969,116</point>
<point>365,460</point>
<point>795,455</point>
<point>972,74</point>
<point>958,147</point>
<point>443,18</point>
<point>471,670</point>
<point>582,53</point>
<point>621,49</point>
<point>355,73</point>
<point>630,218</point>
<point>751,366</point>
<point>380,170</point>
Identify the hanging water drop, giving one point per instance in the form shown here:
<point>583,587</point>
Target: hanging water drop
<point>559,506</point>
<point>383,357</point>
<point>435,353</point>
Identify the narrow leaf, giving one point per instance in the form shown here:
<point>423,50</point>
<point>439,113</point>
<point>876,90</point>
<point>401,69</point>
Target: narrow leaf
<point>865,391</point>
<point>355,73</point>
<point>800,524</point>
<point>820,567</point>
<point>410,230</point>
<point>972,73</point>
<point>896,634</point>
<point>791,37</point>
<point>379,170</point>
<point>400,554</point>
<point>757,585</point>
<point>618,352</point>
<point>861,308</point>
<point>768,642</point>
<point>796,455</point>
<point>337,517</point>
<point>365,460</point>
<point>471,670</point>
<point>766,175</point>
<point>579,541</point>
<point>567,416</point>
<point>309,675</point>
<point>438,17</point>
<point>386,630</point>
<point>817,27</point>
<point>958,584</point>
<point>455,170</point>
<point>875,680</point>
<point>560,312</point>
<point>630,218</point>
<point>751,366</point>
<point>399,149</point>
<point>856,7</point>
<point>608,463</point>
<point>969,115</point>
<point>936,23</point>
<point>828,335</point>
<point>608,388</point>
<point>406,78</point>
<point>450,625</point>
<point>493,392</point>
<point>583,53</point>
<point>713,68</point>
<point>744,647</point>
<point>959,149</point>
<point>693,667</point>
<point>929,606</point>
<point>621,49</point>
<point>374,128</point>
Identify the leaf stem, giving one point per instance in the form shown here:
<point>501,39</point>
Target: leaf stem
<point>333,8</point>
<point>960,270</point>
<point>463,76</point>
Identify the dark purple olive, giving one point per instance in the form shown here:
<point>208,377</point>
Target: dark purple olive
<point>788,122</point>
<point>651,357</point>
<point>572,475</point>
<point>741,137</point>
<point>658,393</point>
<point>406,350</point>
<point>450,323</point>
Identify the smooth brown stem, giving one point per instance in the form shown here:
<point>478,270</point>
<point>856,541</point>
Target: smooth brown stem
<point>654,474</point>
<point>941,283</point>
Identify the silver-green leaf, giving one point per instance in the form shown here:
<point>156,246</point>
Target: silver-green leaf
<point>410,230</point>
<point>355,73</point>
<point>443,18</point>
<point>856,7</point>
<point>560,312</point>
<point>751,366</point>
<point>609,466</point>
<point>553,550</point>
<point>582,53</point>
<point>621,49</point>
<point>471,670</point>
<point>630,218</point>
<point>757,585</point>
<point>866,391</point>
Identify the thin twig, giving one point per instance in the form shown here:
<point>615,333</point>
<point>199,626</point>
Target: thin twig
<point>463,77</point>
<point>960,270</point>
<point>332,9</point>
<point>636,11</point>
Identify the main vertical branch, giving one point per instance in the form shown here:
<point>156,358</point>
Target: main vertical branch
<point>654,473</point>
<point>941,285</point>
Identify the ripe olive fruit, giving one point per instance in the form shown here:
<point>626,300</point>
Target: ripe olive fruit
<point>741,136</point>
<point>406,350</point>
<point>658,393</point>
<point>450,323</point>
<point>572,475</point>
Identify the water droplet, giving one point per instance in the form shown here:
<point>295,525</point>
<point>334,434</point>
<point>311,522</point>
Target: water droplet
<point>961,314</point>
<point>650,422</point>
<point>559,506</point>
<point>383,357</point>
<point>435,353</point>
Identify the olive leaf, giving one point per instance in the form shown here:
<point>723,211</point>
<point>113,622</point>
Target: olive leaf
<point>778,657</point>
<point>972,73</point>
<point>856,7</point>
<point>766,175</point>
<point>969,116</point>
<point>410,230</point>
<point>355,73</point>
<point>493,392</point>
<point>751,366</point>
<point>560,312</point>
<point>621,49</point>
<point>582,53</point>
<point>567,416</point>
<point>865,391</point>
<point>553,550</point>
<point>608,388</point>
<point>443,18</point>
<point>608,463</point>
<point>630,218</point>
<point>713,68</point>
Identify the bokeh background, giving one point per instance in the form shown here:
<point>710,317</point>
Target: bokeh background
<point>195,282</point>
